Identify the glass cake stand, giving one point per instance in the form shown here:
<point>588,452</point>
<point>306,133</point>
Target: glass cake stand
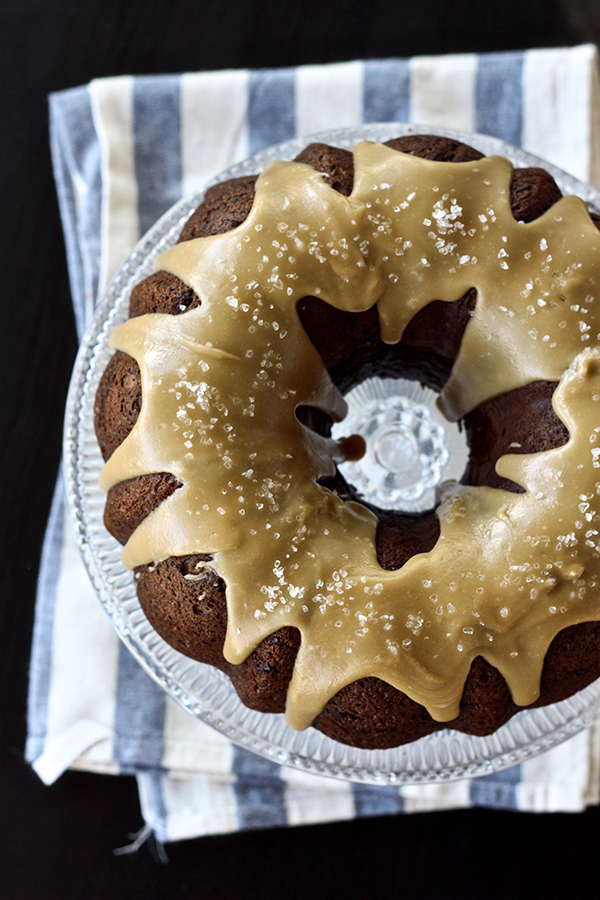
<point>410,451</point>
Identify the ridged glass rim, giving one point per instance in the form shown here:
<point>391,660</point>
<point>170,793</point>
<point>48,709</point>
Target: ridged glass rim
<point>204,691</point>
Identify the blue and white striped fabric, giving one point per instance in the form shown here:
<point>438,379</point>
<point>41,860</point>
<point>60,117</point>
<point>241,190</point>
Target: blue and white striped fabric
<point>124,150</point>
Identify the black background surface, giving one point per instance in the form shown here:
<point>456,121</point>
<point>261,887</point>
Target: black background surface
<point>58,842</point>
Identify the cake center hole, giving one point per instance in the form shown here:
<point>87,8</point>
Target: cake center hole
<point>410,448</point>
<point>396,449</point>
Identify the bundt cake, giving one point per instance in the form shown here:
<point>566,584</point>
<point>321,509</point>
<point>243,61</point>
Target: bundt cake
<point>417,259</point>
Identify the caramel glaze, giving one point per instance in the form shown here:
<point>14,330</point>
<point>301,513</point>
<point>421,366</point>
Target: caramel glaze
<point>391,716</point>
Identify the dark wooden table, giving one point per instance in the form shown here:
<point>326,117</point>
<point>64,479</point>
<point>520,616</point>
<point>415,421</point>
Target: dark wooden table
<point>58,842</point>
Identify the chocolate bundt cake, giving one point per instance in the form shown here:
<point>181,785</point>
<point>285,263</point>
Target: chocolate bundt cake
<point>418,259</point>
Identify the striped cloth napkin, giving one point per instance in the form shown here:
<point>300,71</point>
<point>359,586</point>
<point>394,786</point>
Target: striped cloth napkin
<point>124,150</point>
